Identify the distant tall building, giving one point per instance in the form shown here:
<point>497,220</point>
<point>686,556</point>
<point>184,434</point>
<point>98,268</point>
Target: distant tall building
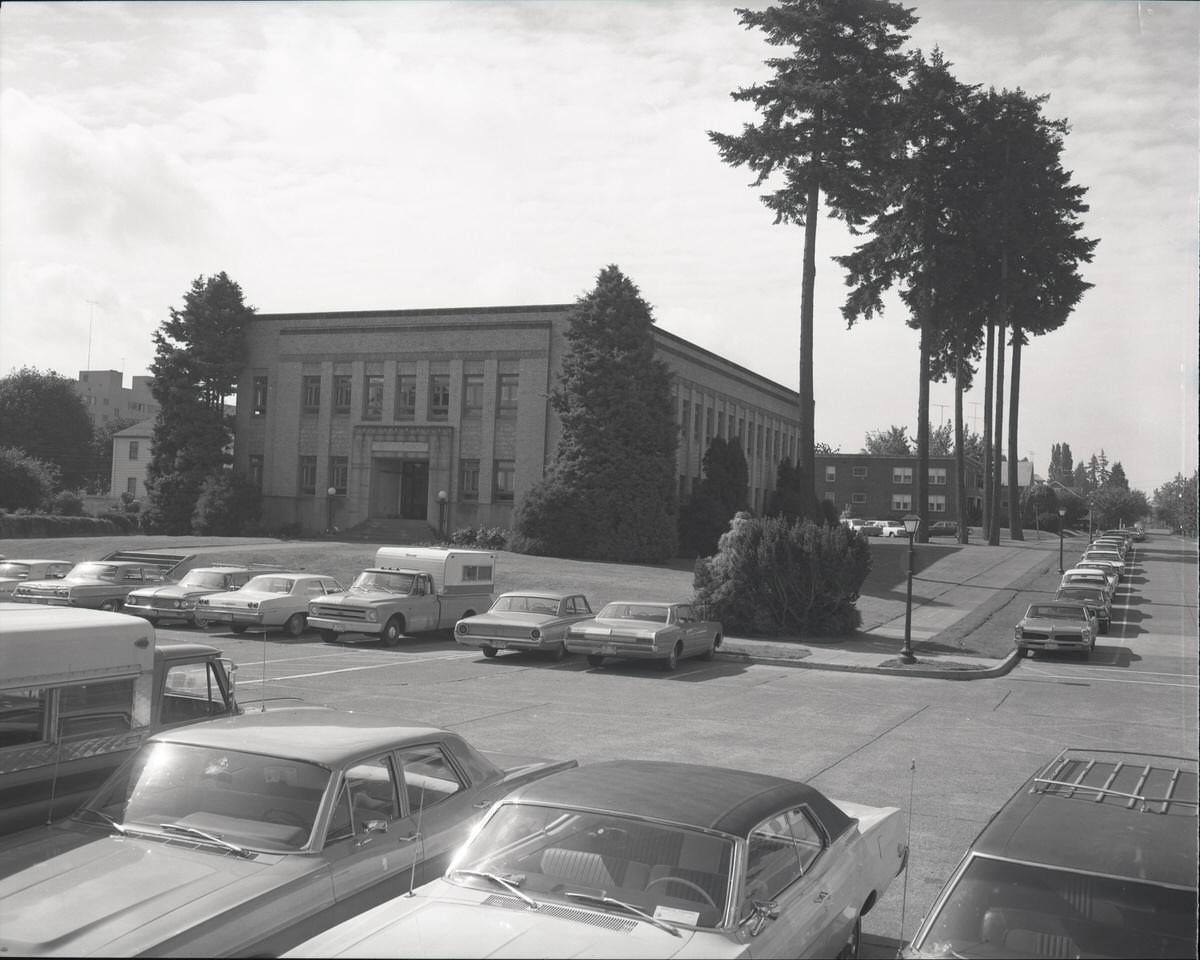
<point>106,398</point>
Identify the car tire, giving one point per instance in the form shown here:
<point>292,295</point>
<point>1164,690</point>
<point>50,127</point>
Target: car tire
<point>392,631</point>
<point>294,625</point>
<point>851,949</point>
<point>328,636</point>
<point>237,627</point>
<point>488,651</point>
<point>1104,627</point>
<point>112,606</point>
<point>595,659</point>
<point>711,652</point>
<point>672,659</point>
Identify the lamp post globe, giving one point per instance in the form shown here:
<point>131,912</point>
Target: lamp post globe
<point>442,497</point>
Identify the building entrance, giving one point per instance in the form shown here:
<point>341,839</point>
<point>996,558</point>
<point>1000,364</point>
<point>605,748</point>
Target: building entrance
<point>400,489</point>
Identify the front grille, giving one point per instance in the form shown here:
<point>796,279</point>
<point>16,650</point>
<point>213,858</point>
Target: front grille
<point>575,914</point>
<point>338,612</point>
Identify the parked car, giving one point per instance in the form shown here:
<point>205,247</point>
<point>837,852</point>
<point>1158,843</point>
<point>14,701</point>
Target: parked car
<point>872,528</point>
<point>1093,575</point>
<point>894,528</point>
<point>14,572</point>
<point>177,601</point>
<point>1109,569</point>
<point>524,621</point>
<point>1057,625</point>
<point>248,836</point>
<point>95,584</point>
<point>1095,596</point>
<point>1111,543</point>
<point>647,859</point>
<point>268,600</point>
<point>943,528</point>
<point>1094,856</point>
<point>1112,556</point>
<point>666,632</point>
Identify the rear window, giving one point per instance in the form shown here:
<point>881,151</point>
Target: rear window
<point>1001,908</point>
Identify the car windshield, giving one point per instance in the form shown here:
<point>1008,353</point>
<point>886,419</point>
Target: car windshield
<point>18,570</point>
<point>524,604</point>
<point>669,872</point>
<point>270,585</point>
<point>1000,908</point>
<point>633,611</point>
<point>1081,593</point>
<point>245,799</point>
<point>92,571</point>
<point>203,580</point>
<point>383,581</point>
<point>1051,611</point>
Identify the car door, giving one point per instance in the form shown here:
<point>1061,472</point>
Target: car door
<point>370,844</point>
<point>690,629</point>
<point>422,613</point>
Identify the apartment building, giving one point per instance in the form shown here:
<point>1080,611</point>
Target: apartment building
<point>884,487</point>
<point>106,398</point>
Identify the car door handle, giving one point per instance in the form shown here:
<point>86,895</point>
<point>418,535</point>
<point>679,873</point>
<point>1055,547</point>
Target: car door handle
<point>481,804</point>
<point>821,897</point>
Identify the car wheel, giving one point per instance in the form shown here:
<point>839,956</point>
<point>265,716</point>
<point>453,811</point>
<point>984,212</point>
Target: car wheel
<point>488,651</point>
<point>672,659</point>
<point>393,630</point>
<point>328,636</point>
<point>238,627</point>
<point>594,659</point>
<point>1104,627</point>
<point>112,606</point>
<point>850,950</point>
<point>711,650</point>
<point>294,625</point>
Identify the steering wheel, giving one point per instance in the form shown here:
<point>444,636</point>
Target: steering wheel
<point>285,816</point>
<point>687,883</point>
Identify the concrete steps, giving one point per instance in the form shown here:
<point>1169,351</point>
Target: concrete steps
<point>392,531</point>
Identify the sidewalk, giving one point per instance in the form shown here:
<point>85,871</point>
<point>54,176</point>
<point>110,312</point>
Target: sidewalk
<point>952,597</point>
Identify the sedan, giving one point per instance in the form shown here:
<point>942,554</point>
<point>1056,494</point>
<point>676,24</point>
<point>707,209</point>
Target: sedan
<point>943,528</point>
<point>524,621</point>
<point>269,600</point>
<point>1057,625</point>
<point>1109,569</point>
<point>1112,556</point>
<point>13,572</point>
<point>1095,596</point>
<point>647,859</point>
<point>1090,577</point>
<point>666,632</point>
<point>95,584</point>
<point>248,836</point>
<point>177,601</point>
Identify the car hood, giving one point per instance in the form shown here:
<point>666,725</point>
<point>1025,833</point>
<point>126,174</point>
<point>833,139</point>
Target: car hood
<point>243,597</point>
<point>74,891</point>
<point>445,920</point>
<point>1047,624</point>
<point>169,590</point>
<point>349,598</point>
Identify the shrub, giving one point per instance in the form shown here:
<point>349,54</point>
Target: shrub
<point>771,576</point>
<point>67,503</point>
<point>1048,522</point>
<point>24,481</point>
<point>484,538</point>
<point>464,537</point>
<point>228,506</point>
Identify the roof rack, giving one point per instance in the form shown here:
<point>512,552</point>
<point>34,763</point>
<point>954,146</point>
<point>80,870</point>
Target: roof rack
<point>1092,774</point>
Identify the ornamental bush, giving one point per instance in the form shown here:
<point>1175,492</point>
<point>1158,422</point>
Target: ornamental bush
<point>771,577</point>
<point>228,506</point>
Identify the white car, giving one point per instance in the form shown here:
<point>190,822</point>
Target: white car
<point>277,600</point>
<point>1090,576</point>
<point>13,572</point>
<point>1111,556</point>
<point>892,528</point>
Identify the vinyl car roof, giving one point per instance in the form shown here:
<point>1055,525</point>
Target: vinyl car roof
<point>1104,812</point>
<point>315,734</point>
<point>692,795</point>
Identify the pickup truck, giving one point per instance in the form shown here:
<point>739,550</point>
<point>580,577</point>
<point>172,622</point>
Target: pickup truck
<point>409,590</point>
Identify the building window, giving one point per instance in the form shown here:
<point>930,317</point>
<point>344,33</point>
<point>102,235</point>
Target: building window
<point>258,405</point>
<point>503,479</point>
<point>133,449</point>
<point>310,394</point>
<point>131,485</point>
<point>468,479</point>
<point>406,396</point>
<point>901,474</point>
<point>473,395</point>
<point>439,396</point>
<point>859,473</point>
<point>372,397</point>
<point>937,503</point>
<point>506,393</point>
<point>341,393</point>
<point>901,501</point>
<point>339,474</point>
<point>831,474</point>
<point>256,469</point>
<point>858,498</point>
<point>308,474</point>
<point>937,476</point>
<point>830,496</point>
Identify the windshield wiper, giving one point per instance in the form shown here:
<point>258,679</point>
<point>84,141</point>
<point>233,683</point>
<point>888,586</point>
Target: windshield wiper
<point>637,911</point>
<point>509,882</point>
<point>103,816</point>
<point>205,835</point>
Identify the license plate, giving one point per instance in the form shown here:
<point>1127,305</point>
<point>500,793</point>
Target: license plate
<point>1051,645</point>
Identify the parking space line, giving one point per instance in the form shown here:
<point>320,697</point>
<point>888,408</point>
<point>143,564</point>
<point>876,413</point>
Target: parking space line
<point>369,666</point>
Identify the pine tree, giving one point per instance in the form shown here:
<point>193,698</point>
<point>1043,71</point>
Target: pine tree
<point>610,491</point>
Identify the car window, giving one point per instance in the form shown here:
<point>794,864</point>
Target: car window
<point>368,793</point>
<point>1057,612</point>
<point>773,860</point>
<point>429,778</point>
<point>191,691</point>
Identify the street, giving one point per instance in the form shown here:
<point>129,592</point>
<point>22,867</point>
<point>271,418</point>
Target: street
<point>949,753</point>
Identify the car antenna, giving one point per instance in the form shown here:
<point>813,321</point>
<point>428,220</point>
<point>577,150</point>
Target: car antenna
<point>912,776</point>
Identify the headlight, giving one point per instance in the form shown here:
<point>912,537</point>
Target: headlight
<point>372,616</point>
<point>462,628</point>
<point>535,634</point>
<point>1018,632</point>
<point>186,604</point>
<point>252,605</point>
<point>63,593</point>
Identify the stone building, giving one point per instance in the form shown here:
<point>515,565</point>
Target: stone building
<point>442,417</point>
<point>106,398</point>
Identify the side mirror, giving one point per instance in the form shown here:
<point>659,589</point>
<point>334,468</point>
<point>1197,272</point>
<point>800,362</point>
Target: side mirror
<point>375,826</point>
<point>760,912</point>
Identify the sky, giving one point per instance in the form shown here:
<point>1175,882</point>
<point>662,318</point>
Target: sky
<point>408,155</point>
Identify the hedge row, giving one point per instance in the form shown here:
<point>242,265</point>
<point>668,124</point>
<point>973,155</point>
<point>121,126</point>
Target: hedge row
<point>33,526</point>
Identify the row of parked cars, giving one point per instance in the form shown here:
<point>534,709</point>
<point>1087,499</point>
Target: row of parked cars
<point>895,528</point>
<point>1082,607</point>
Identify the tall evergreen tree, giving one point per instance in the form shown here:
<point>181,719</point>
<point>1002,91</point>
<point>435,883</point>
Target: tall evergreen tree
<point>198,356</point>
<point>721,493</point>
<point>827,128</point>
<point>610,492</point>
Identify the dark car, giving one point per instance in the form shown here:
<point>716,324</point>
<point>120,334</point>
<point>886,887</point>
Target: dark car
<point>1095,856</point>
<point>943,528</point>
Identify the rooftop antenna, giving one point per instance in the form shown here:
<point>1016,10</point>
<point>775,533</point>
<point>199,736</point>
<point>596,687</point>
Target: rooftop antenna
<point>91,321</point>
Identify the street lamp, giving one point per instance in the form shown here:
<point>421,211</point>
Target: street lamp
<point>329,495</point>
<point>911,523</point>
<point>1062,516</point>
<point>442,498</point>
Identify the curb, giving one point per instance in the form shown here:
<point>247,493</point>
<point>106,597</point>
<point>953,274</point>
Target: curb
<point>932,673</point>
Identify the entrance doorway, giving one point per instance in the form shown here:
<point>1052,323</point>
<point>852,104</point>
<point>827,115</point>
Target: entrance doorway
<point>400,489</point>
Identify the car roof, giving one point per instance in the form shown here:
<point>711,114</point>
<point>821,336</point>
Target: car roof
<point>689,794</point>
<point>316,734</point>
<point>547,594</point>
<point>1106,812</point>
<point>34,560</point>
